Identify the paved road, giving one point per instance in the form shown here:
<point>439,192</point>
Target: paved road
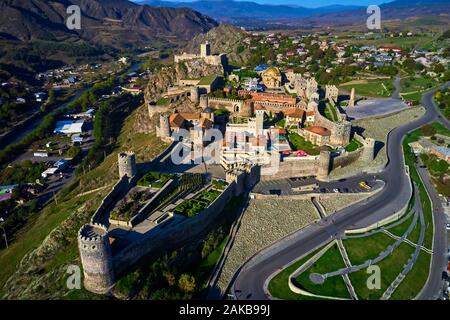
<point>248,282</point>
<point>439,262</point>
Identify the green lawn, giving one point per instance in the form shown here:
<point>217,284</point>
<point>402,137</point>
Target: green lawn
<point>422,41</point>
<point>415,280</point>
<point>299,143</point>
<point>162,101</point>
<point>334,286</point>
<point>413,88</point>
<point>425,200</point>
<point>390,267</point>
<point>400,229</point>
<point>207,80</point>
<point>330,112</point>
<point>193,207</point>
<point>353,145</point>
<point>281,123</point>
<point>278,286</point>
<point>359,250</point>
<point>373,88</point>
<point>154,179</point>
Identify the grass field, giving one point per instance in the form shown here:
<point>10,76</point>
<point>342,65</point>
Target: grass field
<point>64,219</point>
<point>330,112</point>
<point>390,267</point>
<point>413,88</point>
<point>359,250</point>
<point>334,286</point>
<point>371,88</point>
<point>299,143</point>
<point>414,282</point>
<point>406,43</point>
<point>278,287</point>
<point>353,145</point>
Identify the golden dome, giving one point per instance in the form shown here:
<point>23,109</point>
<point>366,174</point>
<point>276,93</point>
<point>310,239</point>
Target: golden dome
<point>272,72</point>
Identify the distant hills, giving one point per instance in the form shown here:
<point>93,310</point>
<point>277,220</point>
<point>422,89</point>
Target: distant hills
<point>229,9</point>
<point>117,23</point>
<point>239,12</point>
<point>398,10</point>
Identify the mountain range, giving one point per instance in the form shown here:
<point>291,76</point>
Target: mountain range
<point>240,11</point>
<point>118,23</point>
<point>228,9</point>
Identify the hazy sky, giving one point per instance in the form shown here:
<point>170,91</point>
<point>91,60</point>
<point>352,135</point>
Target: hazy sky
<point>310,3</point>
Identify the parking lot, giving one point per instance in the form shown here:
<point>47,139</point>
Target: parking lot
<point>293,186</point>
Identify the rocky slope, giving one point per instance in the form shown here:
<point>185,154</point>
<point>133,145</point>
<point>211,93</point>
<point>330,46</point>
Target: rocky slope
<point>223,39</point>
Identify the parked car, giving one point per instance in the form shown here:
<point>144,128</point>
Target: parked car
<point>447,226</point>
<point>444,275</point>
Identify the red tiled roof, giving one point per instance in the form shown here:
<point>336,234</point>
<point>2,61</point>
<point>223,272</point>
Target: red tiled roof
<point>294,113</point>
<point>321,131</point>
<point>205,123</point>
<point>176,120</point>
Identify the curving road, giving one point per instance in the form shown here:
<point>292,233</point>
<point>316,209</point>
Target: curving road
<point>248,282</point>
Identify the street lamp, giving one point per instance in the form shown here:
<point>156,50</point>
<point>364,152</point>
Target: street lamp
<point>4,233</point>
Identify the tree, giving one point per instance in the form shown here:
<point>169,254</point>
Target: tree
<point>170,277</point>
<point>439,68</point>
<point>428,130</point>
<point>186,283</point>
<point>74,152</point>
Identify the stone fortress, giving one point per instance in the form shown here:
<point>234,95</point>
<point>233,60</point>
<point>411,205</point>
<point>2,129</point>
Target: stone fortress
<point>251,142</point>
<point>250,146</point>
<point>205,55</point>
<point>108,250</point>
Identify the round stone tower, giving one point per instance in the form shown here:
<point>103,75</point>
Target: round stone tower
<point>324,165</point>
<point>195,94</point>
<point>164,126</point>
<point>203,102</point>
<point>96,258</point>
<point>369,150</point>
<point>127,164</point>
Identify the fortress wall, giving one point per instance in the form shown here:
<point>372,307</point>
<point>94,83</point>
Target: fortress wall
<point>170,237</point>
<point>124,185</point>
<point>296,168</point>
<point>359,138</point>
<point>121,187</point>
<point>320,120</point>
<point>346,159</point>
<point>228,104</point>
